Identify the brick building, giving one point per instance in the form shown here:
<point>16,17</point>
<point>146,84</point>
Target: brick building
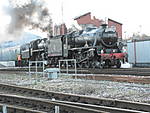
<point>117,25</point>
<point>86,20</point>
<point>60,29</point>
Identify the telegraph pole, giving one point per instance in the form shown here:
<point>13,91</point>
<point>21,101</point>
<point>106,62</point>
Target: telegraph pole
<point>62,13</point>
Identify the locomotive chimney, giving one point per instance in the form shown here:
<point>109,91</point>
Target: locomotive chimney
<point>104,26</point>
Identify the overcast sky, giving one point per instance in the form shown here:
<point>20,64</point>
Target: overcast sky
<point>133,14</point>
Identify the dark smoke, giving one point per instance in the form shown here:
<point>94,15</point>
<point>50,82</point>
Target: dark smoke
<point>32,13</point>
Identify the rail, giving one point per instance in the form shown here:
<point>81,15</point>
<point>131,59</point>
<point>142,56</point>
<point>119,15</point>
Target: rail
<point>121,71</point>
<point>74,98</point>
<point>13,109</point>
<point>44,105</point>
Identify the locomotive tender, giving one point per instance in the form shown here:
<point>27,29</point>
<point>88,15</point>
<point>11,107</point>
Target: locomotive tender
<point>93,47</point>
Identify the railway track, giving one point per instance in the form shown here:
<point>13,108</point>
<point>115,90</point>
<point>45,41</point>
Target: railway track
<point>83,102</point>
<point>129,79</point>
<point>49,106</point>
<point>43,105</point>
<point>121,71</point>
<point>136,75</point>
<point>15,109</point>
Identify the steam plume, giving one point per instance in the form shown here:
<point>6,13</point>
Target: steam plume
<point>28,13</point>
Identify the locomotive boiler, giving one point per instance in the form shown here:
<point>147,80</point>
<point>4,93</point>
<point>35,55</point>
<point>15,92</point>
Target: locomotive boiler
<point>103,36</point>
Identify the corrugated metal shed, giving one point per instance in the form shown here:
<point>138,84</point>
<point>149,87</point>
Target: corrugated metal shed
<point>139,52</point>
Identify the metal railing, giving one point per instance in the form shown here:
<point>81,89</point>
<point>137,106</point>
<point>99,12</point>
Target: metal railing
<point>68,60</point>
<point>36,66</point>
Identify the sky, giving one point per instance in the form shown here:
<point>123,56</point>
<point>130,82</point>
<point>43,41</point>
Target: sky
<point>133,14</point>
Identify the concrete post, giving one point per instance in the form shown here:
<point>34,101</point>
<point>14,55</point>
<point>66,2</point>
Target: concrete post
<point>4,109</point>
<point>56,107</point>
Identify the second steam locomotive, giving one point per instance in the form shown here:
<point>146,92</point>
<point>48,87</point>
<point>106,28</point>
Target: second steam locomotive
<point>92,48</point>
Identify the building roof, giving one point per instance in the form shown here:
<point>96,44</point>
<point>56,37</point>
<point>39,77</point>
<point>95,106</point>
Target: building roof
<point>81,15</point>
<point>114,21</point>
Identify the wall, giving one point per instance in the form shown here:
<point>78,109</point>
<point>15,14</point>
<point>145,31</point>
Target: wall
<point>86,19</point>
<point>117,25</point>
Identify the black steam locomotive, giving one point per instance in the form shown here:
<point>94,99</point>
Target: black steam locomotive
<point>93,47</point>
